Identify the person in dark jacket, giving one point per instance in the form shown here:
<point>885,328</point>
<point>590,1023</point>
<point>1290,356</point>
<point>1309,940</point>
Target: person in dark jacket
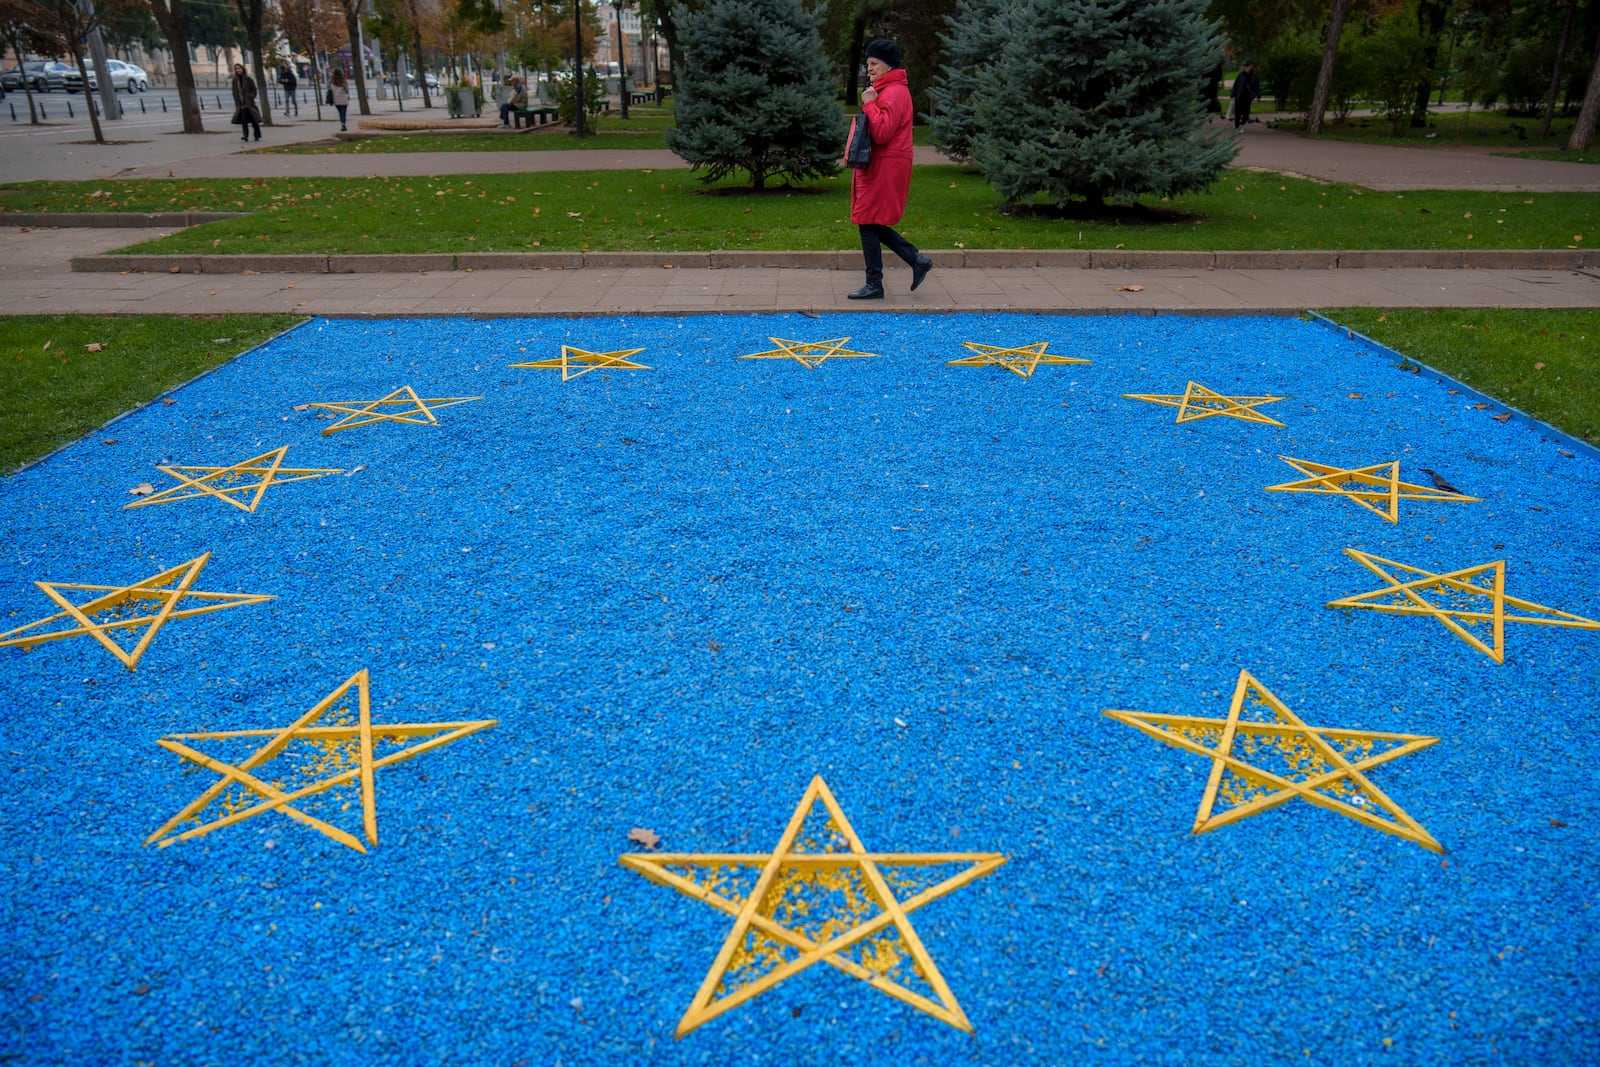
<point>1246,87</point>
<point>878,193</point>
<point>245,114</point>
<point>290,83</point>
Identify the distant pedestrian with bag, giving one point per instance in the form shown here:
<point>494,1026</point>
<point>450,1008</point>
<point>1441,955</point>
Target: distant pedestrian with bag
<point>290,84</point>
<point>245,113</point>
<point>1246,87</point>
<point>339,95</point>
<point>878,193</point>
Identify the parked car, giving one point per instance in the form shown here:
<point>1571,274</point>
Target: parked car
<point>42,76</point>
<point>74,80</point>
<point>128,76</point>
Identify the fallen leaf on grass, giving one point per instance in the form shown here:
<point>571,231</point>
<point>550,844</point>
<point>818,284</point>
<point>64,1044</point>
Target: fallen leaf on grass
<point>47,345</point>
<point>1538,366</point>
<point>96,346</point>
<point>648,838</point>
<point>1502,418</point>
<point>142,489</point>
<point>1130,288</point>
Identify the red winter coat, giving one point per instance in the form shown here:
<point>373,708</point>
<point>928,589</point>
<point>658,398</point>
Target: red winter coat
<point>878,193</point>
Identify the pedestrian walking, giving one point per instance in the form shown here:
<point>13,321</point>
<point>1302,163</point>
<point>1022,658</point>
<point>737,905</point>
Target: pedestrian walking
<point>290,83</point>
<point>1246,87</point>
<point>878,192</point>
<point>339,95</point>
<point>245,114</point>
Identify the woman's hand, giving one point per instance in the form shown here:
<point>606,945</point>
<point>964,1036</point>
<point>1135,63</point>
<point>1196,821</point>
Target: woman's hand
<point>869,95</point>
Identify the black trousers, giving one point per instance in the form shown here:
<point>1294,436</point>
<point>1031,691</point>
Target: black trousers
<point>1241,112</point>
<point>873,238</point>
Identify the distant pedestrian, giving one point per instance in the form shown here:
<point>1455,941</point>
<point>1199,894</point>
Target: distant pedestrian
<point>245,114</point>
<point>1246,88</point>
<point>339,95</point>
<point>290,84</point>
<point>517,101</point>
<point>878,192</point>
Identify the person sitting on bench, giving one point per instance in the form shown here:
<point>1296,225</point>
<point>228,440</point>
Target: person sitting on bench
<point>517,101</point>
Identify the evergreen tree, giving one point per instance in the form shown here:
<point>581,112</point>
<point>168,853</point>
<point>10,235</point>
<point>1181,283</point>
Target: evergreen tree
<point>1095,99</point>
<point>754,93</point>
<point>977,33</point>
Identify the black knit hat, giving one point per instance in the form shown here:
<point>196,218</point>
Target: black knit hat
<point>886,50</point>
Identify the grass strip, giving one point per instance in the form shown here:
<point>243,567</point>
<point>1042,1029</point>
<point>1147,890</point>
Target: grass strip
<point>54,390</point>
<point>1544,362</point>
<point>671,211</point>
<point>1452,129</point>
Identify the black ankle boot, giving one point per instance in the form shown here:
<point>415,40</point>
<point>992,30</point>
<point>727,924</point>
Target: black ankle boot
<point>868,292</point>
<point>920,271</point>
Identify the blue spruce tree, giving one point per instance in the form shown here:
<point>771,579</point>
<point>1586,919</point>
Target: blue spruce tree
<point>977,33</point>
<point>755,94</point>
<point>1093,100</point>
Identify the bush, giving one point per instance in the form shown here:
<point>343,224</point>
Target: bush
<point>1395,61</point>
<point>594,97</point>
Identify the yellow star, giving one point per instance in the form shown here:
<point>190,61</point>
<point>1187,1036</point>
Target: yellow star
<point>119,607</point>
<point>1021,361</point>
<point>819,897</point>
<point>810,353</point>
<point>402,405</point>
<point>1377,488</point>
<point>1455,597</point>
<point>1273,757</point>
<point>1198,402</point>
<point>588,361</point>
<point>330,747</point>
<point>227,484</point>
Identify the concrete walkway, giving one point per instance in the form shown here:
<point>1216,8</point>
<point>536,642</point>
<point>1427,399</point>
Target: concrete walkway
<point>34,279</point>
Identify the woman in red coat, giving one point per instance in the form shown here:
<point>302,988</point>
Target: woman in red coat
<point>878,193</point>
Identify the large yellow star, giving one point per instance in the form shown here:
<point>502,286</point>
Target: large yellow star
<point>1198,402</point>
<point>249,478</point>
<point>819,897</point>
<point>1471,602</point>
<point>402,405</point>
<point>572,358</point>
<point>332,747</point>
<point>126,607</point>
<point>1022,360</point>
<point>810,353</point>
<point>1377,488</point>
<point>1272,757</point>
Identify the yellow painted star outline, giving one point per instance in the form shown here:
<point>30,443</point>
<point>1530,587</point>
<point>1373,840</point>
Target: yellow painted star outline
<point>267,469</point>
<point>1199,402</point>
<point>1458,583</point>
<point>1383,480</point>
<point>114,597</point>
<point>747,914</point>
<point>1335,769</point>
<point>1022,360</point>
<point>271,798</point>
<point>415,410</point>
<point>577,357</point>
<point>811,354</point>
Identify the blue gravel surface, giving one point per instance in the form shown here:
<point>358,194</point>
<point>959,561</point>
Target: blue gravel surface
<point>683,592</point>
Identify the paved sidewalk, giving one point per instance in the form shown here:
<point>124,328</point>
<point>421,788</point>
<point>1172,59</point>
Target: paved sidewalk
<point>34,279</point>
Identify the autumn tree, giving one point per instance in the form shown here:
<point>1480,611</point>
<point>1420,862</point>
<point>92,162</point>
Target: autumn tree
<point>170,16</point>
<point>65,27</point>
<point>352,14</point>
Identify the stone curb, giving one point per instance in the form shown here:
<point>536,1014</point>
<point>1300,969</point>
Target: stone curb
<point>1098,259</point>
<point>113,220</point>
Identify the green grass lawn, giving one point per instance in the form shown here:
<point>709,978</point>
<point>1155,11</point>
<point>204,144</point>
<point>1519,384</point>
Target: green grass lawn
<point>1487,128</point>
<point>1547,363</point>
<point>54,390</point>
<point>1560,155</point>
<point>670,210</point>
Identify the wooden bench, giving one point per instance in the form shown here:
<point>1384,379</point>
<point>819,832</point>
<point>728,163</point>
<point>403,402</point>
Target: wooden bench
<point>526,116</point>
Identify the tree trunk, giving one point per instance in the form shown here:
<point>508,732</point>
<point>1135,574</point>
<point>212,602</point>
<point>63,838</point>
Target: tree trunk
<point>1583,132</point>
<point>1555,74</point>
<point>357,67</point>
<point>858,30</point>
<point>88,93</point>
<point>1430,20</point>
<point>169,16</point>
<point>27,86</point>
<point>416,46</point>
<point>1330,52</point>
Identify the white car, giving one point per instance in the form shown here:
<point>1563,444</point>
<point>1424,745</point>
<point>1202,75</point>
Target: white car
<point>123,76</point>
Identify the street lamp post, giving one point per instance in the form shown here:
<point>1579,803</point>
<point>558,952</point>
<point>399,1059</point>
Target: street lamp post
<point>577,69</point>
<point>622,59</point>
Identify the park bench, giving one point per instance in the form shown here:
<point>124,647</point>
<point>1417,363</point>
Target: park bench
<point>533,116</point>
